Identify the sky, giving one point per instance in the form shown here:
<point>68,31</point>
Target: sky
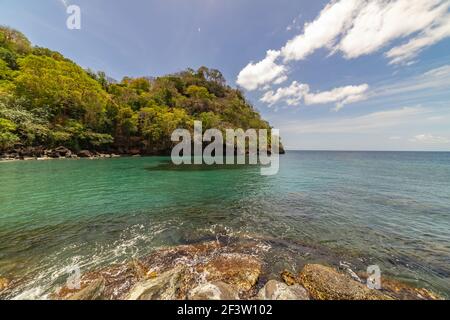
<point>331,75</point>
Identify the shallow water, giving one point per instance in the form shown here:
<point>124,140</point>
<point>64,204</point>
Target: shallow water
<point>385,208</point>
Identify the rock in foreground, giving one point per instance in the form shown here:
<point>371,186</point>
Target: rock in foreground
<point>239,270</point>
<point>214,291</point>
<point>216,271</point>
<point>325,283</point>
<point>275,290</point>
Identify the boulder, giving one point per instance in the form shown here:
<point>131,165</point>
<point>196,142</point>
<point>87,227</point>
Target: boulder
<point>92,291</point>
<point>325,283</point>
<point>275,290</point>
<point>288,278</point>
<point>163,287</point>
<point>214,291</point>
<point>63,152</point>
<point>84,154</point>
<point>240,270</point>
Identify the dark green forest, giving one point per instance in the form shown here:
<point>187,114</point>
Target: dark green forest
<point>48,101</point>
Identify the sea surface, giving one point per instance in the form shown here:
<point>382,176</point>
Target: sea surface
<point>390,209</point>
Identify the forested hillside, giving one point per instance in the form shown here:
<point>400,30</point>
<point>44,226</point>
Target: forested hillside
<point>48,101</point>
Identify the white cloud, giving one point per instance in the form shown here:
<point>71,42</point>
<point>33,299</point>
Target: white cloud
<point>322,32</point>
<point>429,139</point>
<point>366,123</point>
<point>437,79</point>
<point>380,22</point>
<point>342,95</point>
<point>298,92</point>
<point>292,95</point>
<point>264,72</point>
<point>408,51</point>
<point>356,28</point>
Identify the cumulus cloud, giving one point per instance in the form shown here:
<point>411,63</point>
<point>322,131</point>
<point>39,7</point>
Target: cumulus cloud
<point>380,22</point>
<point>356,28</point>
<point>342,95</point>
<point>430,139</point>
<point>255,75</point>
<point>322,32</point>
<point>298,92</point>
<point>292,95</point>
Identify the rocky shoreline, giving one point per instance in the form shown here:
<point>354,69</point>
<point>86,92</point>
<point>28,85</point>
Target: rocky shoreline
<point>41,153</point>
<point>217,271</point>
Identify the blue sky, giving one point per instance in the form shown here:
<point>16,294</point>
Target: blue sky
<point>346,74</point>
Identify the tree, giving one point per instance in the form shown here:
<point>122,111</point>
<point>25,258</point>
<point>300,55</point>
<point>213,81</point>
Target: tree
<point>62,88</point>
<point>7,136</point>
<point>14,40</point>
<point>48,100</point>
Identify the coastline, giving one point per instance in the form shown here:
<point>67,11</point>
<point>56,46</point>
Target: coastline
<point>224,269</point>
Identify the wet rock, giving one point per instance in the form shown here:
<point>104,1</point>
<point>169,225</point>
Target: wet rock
<point>239,270</point>
<point>119,279</point>
<point>214,291</point>
<point>164,287</point>
<point>93,291</point>
<point>4,283</point>
<point>188,255</point>
<point>288,278</point>
<point>346,267</point>
<point>140,269</point>
<point>84,154</point>
<point>402,291</point>
<point>275,290</point>
<point>325,283</point>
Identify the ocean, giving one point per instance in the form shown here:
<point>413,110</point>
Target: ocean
<point>390,209</point>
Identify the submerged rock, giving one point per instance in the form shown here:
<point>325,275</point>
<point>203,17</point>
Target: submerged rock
<point>325,283</point>
<point>118,280</point>
<point>402,291</point>
<point>240,270</point>
<point>275,290</point>
<point>92,291</point>
<point>214,291</point>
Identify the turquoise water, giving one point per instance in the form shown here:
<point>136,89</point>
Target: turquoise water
<point>390,209</point>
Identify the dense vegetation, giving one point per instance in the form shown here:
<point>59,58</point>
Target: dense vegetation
<point>48,101</point>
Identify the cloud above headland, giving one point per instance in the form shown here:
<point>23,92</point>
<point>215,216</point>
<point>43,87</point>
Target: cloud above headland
<point>352,29</point>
